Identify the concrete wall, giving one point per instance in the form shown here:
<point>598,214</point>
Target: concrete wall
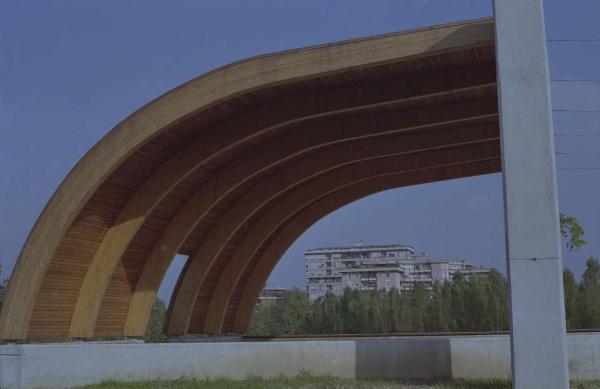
<point>484,357</point>
<point>471,357</point>
<point>403,358</point>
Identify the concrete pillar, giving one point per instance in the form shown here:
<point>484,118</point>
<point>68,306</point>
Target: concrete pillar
<point>538,341</point>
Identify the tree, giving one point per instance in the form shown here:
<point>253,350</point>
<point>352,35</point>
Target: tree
<point>497,301</point>
<point>439,316</point>
<point>154,332</point>
<point>291,314</point>
<point>457,302</point>
<point>333,314</point>
<point>376,322</point>
<point>326,317</point>
<point>572,300</point>
<point>355,311</point>
<point>476,304</point>
<point>262,320</point>
<point>405,309</point>
<point>419,301</point>
<point>590,295</point>
<point>3,285</point>
<point>391,311</point>
<point>571,230</point>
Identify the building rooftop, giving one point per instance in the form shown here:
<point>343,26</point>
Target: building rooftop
<point>360,247</point>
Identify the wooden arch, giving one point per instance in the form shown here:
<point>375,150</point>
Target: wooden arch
<point>232,166</point>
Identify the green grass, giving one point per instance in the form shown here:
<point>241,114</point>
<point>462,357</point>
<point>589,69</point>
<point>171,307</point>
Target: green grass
<point>314,382</point>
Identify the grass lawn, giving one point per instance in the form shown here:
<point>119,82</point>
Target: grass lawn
<point>312,382</point>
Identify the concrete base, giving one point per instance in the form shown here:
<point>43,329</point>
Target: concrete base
<point>59,365</point>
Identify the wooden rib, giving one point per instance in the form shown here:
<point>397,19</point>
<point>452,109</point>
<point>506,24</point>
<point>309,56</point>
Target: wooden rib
<point>216,239</point>
<point>343,159</point>
<point>267,225</point>
<point>297,142</point>
<point>225,137</point>
<point>300,222</point>
<point>278,214</point>
<point>193,97</point>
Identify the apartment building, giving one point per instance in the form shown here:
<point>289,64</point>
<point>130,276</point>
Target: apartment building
<point>377,267</point>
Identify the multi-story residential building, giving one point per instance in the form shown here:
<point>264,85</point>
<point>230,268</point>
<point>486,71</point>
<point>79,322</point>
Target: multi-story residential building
<point>378,267</point>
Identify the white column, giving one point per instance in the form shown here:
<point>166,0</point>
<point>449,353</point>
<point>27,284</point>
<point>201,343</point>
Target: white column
<point>538,341</point>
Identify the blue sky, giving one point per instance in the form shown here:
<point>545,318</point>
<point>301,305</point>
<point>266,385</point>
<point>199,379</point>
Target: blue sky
<point>71,70</point>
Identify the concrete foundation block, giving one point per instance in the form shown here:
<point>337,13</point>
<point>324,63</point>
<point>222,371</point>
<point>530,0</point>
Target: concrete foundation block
<point>480,357</point>
<point>584,356</point>
<point>423,358</point>
<point>10,366</point>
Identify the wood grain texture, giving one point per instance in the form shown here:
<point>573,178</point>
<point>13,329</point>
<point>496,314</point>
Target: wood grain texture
<point>99,249</point>
<point>279,213</point>
<point>292,146</point>
<point>240,311</point>
<point>302,196</point>
<point>296,175</point>
<point>227,136</point>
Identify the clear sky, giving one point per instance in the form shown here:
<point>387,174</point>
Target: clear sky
<point>71,70</point>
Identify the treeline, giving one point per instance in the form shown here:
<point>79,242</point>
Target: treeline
<point>476,304</point>
<point>582,300</point>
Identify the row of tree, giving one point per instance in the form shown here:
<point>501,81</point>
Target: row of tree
<point>582,300</point>
<point>476,304</point>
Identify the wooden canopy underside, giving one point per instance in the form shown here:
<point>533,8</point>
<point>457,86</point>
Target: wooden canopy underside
<point>230,168</point>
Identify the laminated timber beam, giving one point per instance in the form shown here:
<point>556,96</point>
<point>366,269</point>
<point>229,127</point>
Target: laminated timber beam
<point>354,137</point>
<point>277,214</point>
<point>298,176</point>
<point>93,260</point>
<point>284,148</point>
<point>229,135</point>
<point>259,268</point>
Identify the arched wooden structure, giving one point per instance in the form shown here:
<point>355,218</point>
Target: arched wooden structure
<point>232,166</point>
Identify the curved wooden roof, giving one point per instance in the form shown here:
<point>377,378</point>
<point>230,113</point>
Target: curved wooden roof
<point>231,167</point>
